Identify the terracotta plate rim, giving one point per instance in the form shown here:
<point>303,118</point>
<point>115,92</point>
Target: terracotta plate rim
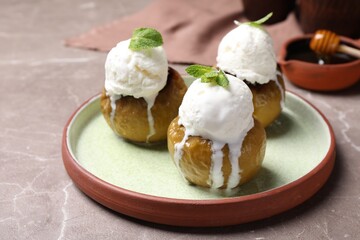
<point>205,212</point>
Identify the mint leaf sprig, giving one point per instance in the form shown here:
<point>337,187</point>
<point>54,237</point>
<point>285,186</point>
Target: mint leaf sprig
<point>257,23</point>
<point>208,74</point>
<point>145,38</point>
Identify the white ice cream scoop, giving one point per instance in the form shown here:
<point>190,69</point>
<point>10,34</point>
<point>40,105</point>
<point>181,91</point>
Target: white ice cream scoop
<point>248,53</point>
<point>140,73</point>
<point>217,113</point>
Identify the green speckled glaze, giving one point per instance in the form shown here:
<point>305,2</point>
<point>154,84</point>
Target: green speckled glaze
<point>296,143</point>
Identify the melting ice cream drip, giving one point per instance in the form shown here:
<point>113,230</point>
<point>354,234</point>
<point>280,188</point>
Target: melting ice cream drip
<point>234,154</point>
<point>282,90</point>
<point>216,174</point>
<point>113,99</point>
<point>178,151</point>
<point>216,177</point>
<point>150,103</point>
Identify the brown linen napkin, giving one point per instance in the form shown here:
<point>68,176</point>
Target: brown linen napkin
<point>191,29</point>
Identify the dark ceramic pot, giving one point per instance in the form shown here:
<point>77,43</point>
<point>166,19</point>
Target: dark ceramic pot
<point>341,17</point>
<point>256,9</point>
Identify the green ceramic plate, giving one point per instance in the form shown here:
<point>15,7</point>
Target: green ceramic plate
<point>300,149</point>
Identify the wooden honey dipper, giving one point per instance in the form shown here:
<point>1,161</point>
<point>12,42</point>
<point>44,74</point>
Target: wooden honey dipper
<point>325,42</point>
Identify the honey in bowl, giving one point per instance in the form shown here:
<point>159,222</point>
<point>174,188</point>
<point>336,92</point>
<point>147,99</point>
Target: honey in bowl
<point>301,51</point>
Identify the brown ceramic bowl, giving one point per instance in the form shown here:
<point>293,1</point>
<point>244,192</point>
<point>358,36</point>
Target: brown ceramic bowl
<point>299,65</point>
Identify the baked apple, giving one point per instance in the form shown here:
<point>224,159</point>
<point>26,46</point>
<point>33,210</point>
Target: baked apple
<point>215,142</point>
<point>141,94</point>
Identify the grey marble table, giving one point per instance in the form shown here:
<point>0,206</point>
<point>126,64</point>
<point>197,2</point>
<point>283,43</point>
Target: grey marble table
<point>42,82</point>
